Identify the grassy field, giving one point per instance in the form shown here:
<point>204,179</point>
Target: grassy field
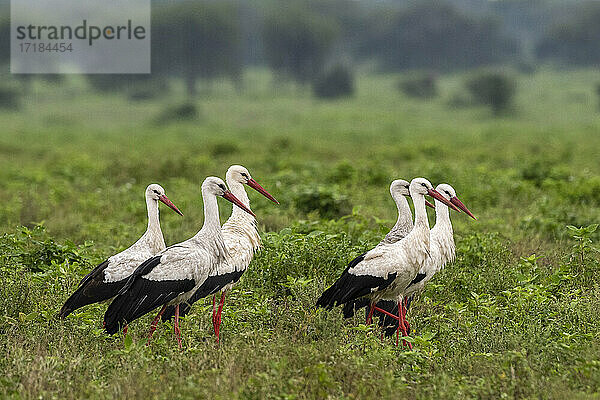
<point>516,316</point>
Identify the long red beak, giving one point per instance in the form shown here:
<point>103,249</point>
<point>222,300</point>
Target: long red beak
<point>163,198</point>
<point>460,205</point>
<point>254,185</point>
<point>230,197</point>
<point>428,204</point>
<point>437,195</point>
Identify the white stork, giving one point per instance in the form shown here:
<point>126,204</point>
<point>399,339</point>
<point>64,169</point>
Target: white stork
<point>173,275</point>
<point>385,271</point>
<point>442,249</point>
<point>399,190</point>
<point>241,240</point>
<point>105,281</point>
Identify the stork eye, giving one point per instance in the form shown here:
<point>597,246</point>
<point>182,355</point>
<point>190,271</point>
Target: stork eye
<point>156,191</point>
<point>222,186</point>
<point>245,175</point>
<point>424,185</point>
<point>448,193</point>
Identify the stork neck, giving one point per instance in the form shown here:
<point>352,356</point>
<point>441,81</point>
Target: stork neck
<point>239,191</point>
<point>153,219</point>
<point>442,214</point>
<point>212,223</point>
<point>421,220</point>
<point>404,221</point>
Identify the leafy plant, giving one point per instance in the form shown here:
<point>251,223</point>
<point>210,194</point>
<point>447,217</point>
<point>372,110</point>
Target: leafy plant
<point>33,250</point>
<point>583,240</point>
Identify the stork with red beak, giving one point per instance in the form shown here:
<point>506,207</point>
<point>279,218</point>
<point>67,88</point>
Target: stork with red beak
<point>384,272</point>
<point>105,281</point>
<point>442,251</point>
<point>241,240</point>
<point>399,190</point>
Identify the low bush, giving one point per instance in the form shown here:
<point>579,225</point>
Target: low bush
<point>324,200</point>
<point>10,98</point>
<point>337,82</point>
<point>224,149</point>
<point>422,86</point>
<point>180,112</point>
<point>495,89</point>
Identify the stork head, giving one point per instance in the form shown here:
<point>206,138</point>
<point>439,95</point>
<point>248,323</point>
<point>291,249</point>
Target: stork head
<point>421,186</point>
<point>157,193</point>
<point>216,187</point>
<point>449,193</point>
<point>238,173</point>
<point>400,187</point>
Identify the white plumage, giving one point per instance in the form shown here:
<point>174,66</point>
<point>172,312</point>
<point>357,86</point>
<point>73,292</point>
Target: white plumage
<point>121,265</point>
<point>239,231</point>
<point>442,248</point>
<point>406,256</point>
<point>399,188</point>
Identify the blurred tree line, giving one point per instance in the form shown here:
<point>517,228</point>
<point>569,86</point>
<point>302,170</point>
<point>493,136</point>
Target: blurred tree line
<point>316,42</point>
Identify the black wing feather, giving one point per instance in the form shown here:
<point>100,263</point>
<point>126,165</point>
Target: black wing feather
<point>350,287</point>
<point>211,285</point>
<point>92,289</point>
<point>98,271</point>
<point>420,276</point>
<point>140,296</point>
<point>351,307</point>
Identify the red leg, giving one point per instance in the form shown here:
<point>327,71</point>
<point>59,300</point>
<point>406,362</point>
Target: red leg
<point>406,324</point>
<point>154,323</point>
<point>401,326</point>
<point>370,316</point>
<point>218,323</point>
<point>214,314</point>
<point>399,323</point>
<point>401,311</point>
<point>176,326</point>
<point>381,310</point>
<point>125,330</point>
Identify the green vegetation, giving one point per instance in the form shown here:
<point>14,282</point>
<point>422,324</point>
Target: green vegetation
<point>516,316</point>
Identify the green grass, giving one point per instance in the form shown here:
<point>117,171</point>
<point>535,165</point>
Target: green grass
<point>496,323</point>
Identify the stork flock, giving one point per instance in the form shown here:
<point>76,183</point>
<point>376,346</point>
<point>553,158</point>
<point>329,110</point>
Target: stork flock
<point>149,276</point>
